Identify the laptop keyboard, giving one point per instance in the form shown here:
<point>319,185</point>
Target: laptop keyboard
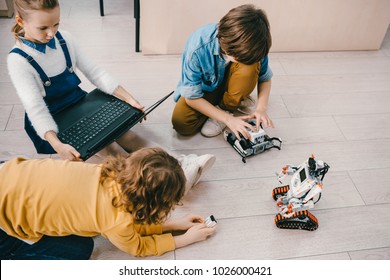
<point>82,132</point>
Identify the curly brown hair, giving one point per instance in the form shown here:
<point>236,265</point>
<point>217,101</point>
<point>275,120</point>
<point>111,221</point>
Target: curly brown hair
<point>22,7</point>
<point>244,34</point>
<point>151,183</point>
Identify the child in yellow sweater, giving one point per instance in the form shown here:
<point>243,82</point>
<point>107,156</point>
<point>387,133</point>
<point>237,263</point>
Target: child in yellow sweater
<point>50,209</point>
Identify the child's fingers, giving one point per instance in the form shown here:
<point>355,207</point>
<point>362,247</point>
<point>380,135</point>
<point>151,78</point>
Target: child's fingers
<point>257,126</point>
<point>247,117</point>
<point>210,231</point>
<point>136,104</point>
<point>200,226</point>
<point>197,221</point>
<point>248,125</point>
<point>244,132</point>
<point>75,153</point>
<point>196,218</point>
<point>272,123</point>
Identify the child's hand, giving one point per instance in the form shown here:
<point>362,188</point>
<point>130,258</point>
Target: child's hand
<point>238,126</point>
<point>67,152</point>
<point>123,94</point>
<point>194,234</point>
<point>133,102</point>
<point>183,223</point>
<point>262,117</point>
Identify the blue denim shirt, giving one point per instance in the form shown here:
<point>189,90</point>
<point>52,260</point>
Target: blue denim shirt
<point>38,46</point>
<point>203,66</point>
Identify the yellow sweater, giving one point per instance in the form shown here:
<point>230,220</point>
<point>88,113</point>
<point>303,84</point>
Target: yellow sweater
<point>59,198</point>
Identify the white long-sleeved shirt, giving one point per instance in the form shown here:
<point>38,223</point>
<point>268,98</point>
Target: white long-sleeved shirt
<point>29,85</point>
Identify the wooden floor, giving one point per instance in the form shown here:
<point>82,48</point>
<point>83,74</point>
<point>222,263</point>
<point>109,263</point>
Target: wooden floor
<point>335,105</point>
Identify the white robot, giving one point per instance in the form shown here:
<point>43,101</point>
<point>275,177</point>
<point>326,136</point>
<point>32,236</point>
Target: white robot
<point>256,144</point>
<point>295,199</point>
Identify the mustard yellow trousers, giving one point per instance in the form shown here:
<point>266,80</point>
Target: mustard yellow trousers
<point>239,82</point>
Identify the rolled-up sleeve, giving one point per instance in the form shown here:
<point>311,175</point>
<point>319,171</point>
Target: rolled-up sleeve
<point>265,73</point>
<point>190,85</point>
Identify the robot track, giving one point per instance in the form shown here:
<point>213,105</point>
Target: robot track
<point>280,191</point>
<point>299,220</point>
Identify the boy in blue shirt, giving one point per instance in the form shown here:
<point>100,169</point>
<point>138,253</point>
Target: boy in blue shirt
<point>221,65</point>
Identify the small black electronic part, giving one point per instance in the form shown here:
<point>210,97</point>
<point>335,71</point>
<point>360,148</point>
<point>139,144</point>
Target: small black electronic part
<point>210,221</point>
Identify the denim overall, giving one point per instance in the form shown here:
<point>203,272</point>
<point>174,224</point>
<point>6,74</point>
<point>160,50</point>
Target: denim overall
<point>61,91</point>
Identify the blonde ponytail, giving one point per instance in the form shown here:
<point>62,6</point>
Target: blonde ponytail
<point>17,30</point>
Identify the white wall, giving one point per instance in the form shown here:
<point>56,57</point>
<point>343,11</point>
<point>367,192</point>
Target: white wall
<point>296,25</point>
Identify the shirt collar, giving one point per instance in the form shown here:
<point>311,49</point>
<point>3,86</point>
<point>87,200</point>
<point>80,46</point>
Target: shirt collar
<point>216,47</point>
<point>217,50</point>
<point>40,47</point>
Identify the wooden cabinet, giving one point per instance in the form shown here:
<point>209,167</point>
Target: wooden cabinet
<point>296,25</point>
<point>6,8</point>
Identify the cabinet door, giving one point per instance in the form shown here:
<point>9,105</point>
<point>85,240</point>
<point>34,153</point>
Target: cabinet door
<point>6,8</point>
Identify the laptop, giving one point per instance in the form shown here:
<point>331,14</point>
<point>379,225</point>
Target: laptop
<point>98,120</point>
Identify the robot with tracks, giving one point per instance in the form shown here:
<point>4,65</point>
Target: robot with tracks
<point>304,191</point>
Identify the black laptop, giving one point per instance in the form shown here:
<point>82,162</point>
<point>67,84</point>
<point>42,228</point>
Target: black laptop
<point>98,120</point>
